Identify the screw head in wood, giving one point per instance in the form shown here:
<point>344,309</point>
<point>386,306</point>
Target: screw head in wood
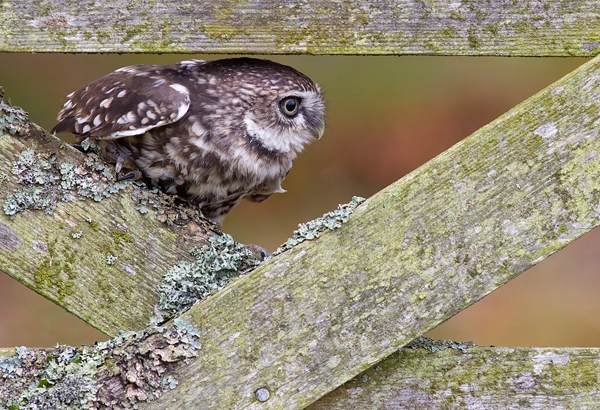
<point>262,394</point>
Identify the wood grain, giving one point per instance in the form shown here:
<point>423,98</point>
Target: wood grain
<point>441,27</point>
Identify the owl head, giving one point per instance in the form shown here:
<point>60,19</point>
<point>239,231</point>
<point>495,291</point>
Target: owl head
<point>276,105</point>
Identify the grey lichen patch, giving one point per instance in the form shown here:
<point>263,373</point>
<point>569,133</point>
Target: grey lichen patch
<point>117,374</point>
<point>13,120</point>
<point>312,229</point>
<point>216,264</point>
<point>591,46</point>
<point>435,345</point>
<point>46,183</point>
<point>111,259</point>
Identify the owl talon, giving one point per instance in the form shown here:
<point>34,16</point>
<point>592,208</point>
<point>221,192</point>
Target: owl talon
<point>258,251</point>
<point>119,164</point>
<point>133,175</point>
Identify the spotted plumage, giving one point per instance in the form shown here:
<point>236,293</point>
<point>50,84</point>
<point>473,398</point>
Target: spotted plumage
<point>211,132</point>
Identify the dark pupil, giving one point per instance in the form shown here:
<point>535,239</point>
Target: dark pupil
<point>290,105</point>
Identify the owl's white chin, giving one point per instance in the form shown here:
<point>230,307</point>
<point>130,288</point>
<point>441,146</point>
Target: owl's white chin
<point>280,140</point>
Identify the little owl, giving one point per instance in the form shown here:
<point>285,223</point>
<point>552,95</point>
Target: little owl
<point>210,132</point>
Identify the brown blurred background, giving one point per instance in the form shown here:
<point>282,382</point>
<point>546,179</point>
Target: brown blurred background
<point>386,116</point>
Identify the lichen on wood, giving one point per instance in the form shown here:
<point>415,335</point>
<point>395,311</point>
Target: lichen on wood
<point>116,374</point>
<point>217,263</point>
<point>72,233</point>
<point>408,258</point>
<point>313,229</point>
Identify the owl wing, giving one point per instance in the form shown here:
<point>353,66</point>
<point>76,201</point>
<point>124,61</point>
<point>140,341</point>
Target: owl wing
<point>126,102</point>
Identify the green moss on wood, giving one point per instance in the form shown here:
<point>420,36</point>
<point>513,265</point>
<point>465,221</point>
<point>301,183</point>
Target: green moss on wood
<point>119,237</point>
<point>56,268</point>
<point>82,256</point>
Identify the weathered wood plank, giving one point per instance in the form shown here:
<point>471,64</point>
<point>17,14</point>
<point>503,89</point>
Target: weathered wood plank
<point>455,378</point>
<point>413,255</point>
<point>442,27</point>
<point>100,260</point>
<point>475,378</point>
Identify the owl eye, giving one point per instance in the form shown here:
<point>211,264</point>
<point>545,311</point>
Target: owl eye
<point>289,106</point>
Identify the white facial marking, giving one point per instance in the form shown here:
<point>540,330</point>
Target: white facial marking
<point>286,140</point>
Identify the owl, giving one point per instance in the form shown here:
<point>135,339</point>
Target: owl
<point>210,132</point>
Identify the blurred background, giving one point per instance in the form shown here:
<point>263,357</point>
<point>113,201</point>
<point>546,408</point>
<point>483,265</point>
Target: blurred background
<point>386,117</point>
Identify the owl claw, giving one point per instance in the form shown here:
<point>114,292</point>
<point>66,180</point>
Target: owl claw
<point>119,164</point>
<point>78,147</point>
<point>133,175</point>
<point>258,251</point>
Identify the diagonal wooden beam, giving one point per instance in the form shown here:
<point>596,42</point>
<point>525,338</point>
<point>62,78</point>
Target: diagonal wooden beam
<point>496,27</point>
<point>410,257</point>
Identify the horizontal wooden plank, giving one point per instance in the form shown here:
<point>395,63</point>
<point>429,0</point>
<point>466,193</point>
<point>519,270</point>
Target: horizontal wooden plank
<point>410,257</point>
<point>452,376</point>
<point>474,378</point>
<point>441,27</point>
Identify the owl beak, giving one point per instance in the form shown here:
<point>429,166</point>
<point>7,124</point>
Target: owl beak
<point>320,131</point>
